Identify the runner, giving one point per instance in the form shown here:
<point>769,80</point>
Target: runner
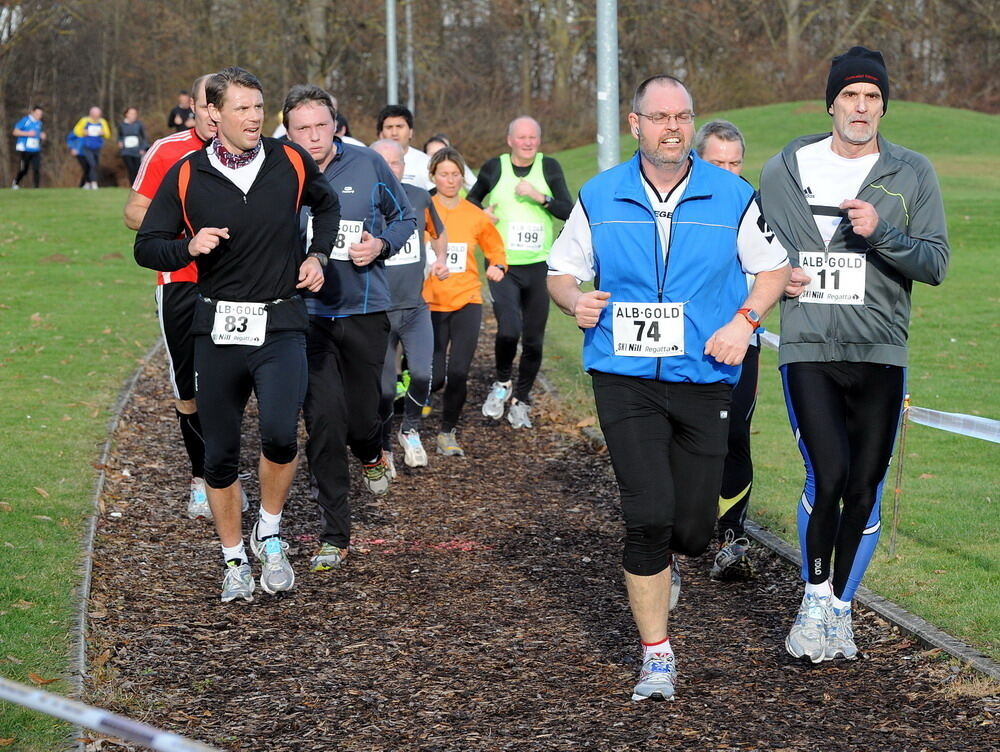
<point>863,220</point>
<point>395,122</point>
<point>526,192</point>
<point>456,301</point>
<point>30,134</point>
<point>177,293</point>
<point>92,130</point>
<point>719,142</point>
<point>664,334</point>
<point>182,117</point>
<point>132,142</point>
<point>348,324</point>
<point>409,318</point>
<point>239,201</point>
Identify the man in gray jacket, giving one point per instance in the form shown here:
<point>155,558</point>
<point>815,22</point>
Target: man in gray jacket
<point>862,219</point>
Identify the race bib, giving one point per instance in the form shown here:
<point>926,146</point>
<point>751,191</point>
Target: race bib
<point>648,330</point>
<point>457,258</point>
<point>32,144</point>
<point>525,236</point>
<point>348,234</point>
<point>239,323</point>
<point>130,142</point>
<point>408,254</point>
<point>837,278</point>
<point>94,130</point>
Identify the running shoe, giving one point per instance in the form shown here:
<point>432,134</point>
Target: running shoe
<point>237,582</point>
<point>390,463</point>
<point>377,476</point>
<point>327,557</point>
<point>675,584</point>
<point>447,445</point>
<point>731,562</point>
<point>807,638</point>
<point>276,572</point>
<point>198,508</point>
<point>518,415</point>
<point>840,636</point>
<point>500,393</point>
<point>414,454</point>
<point>656,679</point>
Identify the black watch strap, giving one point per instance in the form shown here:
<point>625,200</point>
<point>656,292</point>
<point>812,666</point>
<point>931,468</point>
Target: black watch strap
<point>321,257</point>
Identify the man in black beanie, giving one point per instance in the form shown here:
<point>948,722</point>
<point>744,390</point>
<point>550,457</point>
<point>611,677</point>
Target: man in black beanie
<point>862,219</point>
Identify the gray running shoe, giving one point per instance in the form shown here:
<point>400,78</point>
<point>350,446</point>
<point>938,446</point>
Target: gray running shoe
<point>377,476</point>
<point>327,557</point>
<point>840,636</point>
<point>276,573</point>
<point>447,445</point>
<point>807,638</point>
<point>731,562</point>
<point>675,585</point>
<point>519,414</point>
<point>500,393</point>
<point>198,508</point>
<point>238,582</point>
<point>656,679</point>
<point>414,454</point>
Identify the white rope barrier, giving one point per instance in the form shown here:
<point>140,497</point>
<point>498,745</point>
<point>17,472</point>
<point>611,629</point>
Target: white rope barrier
<point>97,719</point>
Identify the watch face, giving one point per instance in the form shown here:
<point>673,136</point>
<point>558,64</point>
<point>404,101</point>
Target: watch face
<point>753,316</point>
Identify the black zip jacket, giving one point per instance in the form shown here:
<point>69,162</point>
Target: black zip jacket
<point>260,261</point>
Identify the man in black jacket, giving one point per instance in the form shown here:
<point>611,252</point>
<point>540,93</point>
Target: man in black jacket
<point>238,200</point>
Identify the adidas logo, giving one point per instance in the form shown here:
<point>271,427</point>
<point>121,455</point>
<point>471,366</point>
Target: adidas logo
<point>348,189</point>
<point>808,192</point>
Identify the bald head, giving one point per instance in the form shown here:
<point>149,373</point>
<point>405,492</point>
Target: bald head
<point>392,152</point>
<point>524,137</point>
<point>663,80</point>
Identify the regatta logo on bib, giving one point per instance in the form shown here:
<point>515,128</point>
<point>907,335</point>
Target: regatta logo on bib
<point>648,330</point>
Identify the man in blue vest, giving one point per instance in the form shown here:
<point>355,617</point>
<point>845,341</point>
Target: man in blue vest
<point>667,240</point>
<point>524,192</point>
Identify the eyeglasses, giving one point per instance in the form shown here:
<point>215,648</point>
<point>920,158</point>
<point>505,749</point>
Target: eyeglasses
<point>662,118</point>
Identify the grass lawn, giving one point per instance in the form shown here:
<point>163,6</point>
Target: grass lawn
<point>76,314</point>
<point>947,563</point>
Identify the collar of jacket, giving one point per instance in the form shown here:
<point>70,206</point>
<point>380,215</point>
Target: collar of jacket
<point>886,164</point>
<point>630,186</point>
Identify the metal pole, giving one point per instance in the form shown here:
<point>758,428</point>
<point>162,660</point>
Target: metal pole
<point>411,95</point>
<point>607,84</point>
<point>897,495</point>
<point>391,76</point>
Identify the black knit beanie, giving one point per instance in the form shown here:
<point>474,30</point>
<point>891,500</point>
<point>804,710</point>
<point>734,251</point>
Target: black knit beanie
<point>858,65</point>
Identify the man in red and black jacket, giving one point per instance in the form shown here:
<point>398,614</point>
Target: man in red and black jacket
<point>238,201</point>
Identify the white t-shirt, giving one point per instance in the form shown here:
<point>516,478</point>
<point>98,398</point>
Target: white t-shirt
<point>241,177</point>
<point>828,179</point>
<point>663,208</point>
<point>415,164</point>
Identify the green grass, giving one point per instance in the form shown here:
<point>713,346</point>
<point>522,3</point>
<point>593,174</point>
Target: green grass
<point>76,313</point>
<point>947,563</point>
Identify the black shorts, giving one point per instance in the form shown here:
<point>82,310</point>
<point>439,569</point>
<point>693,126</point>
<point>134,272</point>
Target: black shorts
<point>175,309</point>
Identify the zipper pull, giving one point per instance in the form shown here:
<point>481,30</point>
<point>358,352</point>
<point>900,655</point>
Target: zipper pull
<point>244,199</point>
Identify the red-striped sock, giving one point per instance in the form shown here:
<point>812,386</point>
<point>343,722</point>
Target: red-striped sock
<point>663,646</point>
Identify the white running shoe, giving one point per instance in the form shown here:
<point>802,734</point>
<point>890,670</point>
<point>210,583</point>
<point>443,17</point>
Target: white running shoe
<point>276,572</point>
<point>807,637</point>
<point>198,507</point>
<point>500,393</point>
<point>377,476</point>
<point>519,414</point>
<point>237,582</point>
<point>390,462</point>
<point>840,636</point>
<point>414,454</point>
<point>657,677</point>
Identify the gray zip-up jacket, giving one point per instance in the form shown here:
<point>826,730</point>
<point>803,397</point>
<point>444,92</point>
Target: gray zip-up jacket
<point>909,244</point>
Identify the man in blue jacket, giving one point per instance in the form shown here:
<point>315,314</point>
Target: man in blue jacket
<point>348,323</point>
<point>667,240</point>
<point>30,134</point>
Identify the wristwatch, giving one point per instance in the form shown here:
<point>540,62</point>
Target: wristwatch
<point>321,257</point>
<point>546,202</point>
<point>501,267</point>
<point>752,316</point>
<point>384,253</point>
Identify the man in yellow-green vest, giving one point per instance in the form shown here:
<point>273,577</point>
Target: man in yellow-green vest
<point>524,192</point>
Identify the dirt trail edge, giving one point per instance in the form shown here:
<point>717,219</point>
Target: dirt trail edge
<point>482,608</point>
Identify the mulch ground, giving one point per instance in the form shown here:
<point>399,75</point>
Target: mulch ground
<point>482,608</point>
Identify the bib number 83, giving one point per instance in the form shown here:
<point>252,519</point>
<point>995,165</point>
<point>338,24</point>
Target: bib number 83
<point>236,324</point>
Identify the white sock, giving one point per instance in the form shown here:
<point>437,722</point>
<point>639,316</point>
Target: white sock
<point>268,524</point>
<point>839,605</point>
<point>657,647</point>
<point>822,590</point>
<point>235,552</point>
